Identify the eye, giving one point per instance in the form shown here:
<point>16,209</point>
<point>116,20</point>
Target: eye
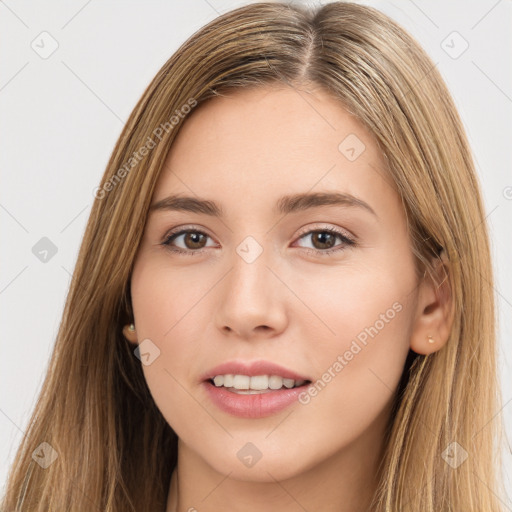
<point>324,237</point>
<point>193,239</point>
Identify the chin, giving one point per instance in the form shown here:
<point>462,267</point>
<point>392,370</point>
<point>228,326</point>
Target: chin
<point>264,472</point>
<point>276,464</point>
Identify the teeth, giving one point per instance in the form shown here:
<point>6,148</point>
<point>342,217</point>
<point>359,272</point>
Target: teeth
<point>288,383</point>
<point>241,381</point>
<point>259,382</point>
<point>256,383</point>
<point>218,380</point>
<point>275,382</point>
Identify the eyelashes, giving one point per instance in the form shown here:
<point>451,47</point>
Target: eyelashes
<point>333,234</point>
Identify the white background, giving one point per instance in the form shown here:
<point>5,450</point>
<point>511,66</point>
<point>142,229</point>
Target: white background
<point>61,116</point>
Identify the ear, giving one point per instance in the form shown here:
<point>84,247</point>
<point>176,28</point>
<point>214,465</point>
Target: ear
<point>130,335</point>
<point>434,314</point>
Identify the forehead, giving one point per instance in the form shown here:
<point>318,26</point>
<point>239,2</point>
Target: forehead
<point>252,145</point>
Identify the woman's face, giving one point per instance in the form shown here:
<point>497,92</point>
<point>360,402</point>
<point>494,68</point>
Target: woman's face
<point>271,280</point>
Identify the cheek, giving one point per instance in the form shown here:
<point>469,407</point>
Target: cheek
<point>357,339</point>
<point>163,306</point>
<point>364,361</point>
<point>357,301</point>
<point>162,299</point>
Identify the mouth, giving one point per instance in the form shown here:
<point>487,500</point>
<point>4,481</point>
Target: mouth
<point>233,394</point>
<point>253,389</point>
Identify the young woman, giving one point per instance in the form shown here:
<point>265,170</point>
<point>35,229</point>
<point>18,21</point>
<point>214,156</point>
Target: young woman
<point>283,299</point>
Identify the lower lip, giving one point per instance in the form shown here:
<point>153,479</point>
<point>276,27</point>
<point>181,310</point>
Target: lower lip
<point>253,406</point>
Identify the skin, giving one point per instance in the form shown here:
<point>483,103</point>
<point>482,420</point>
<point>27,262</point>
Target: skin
<point>300,310</point>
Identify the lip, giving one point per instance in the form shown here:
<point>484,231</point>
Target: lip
<point>252,369</point>
<point>253,406</point>
<point>256,405</point>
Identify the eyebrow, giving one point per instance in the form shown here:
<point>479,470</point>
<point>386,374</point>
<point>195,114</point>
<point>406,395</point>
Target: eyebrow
<point>285,205</point>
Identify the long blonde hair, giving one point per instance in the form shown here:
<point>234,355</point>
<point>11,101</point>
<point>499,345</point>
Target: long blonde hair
<point>114,450</point>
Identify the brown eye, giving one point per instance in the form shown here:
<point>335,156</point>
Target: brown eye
<point>193,240</point>
<point>323,239</point>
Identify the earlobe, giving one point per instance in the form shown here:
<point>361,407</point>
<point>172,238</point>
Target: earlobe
<point>130,333</point>
<point>434,315</point>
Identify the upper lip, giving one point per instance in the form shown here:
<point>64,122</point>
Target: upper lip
<point>252,368</point>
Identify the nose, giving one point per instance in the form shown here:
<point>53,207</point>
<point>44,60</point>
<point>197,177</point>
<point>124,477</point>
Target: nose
<point>252,301</point>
